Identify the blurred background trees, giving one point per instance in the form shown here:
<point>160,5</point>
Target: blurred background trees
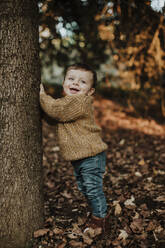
<point>124,40</point>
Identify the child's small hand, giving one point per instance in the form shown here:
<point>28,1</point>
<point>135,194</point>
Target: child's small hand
<point>42,91</point>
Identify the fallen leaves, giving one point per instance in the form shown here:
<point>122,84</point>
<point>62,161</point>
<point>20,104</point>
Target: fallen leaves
<point>118,208</point>
<point>57,230</point>
<point>133,184</point>
<point>40,233</point>
<point>76,244</point>
<point>137,225</point>
<point>130,202</point>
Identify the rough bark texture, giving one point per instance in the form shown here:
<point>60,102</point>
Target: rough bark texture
<point>21,207</point>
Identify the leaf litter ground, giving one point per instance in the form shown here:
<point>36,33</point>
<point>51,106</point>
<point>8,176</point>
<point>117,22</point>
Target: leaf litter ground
<point>134,185</point>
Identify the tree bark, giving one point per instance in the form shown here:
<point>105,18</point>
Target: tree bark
<point>21,201</point>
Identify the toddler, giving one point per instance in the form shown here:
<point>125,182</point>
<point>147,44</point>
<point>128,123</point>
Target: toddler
<point>79,137</point>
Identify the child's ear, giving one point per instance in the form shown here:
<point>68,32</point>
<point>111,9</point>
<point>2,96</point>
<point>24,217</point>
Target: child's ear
<point>91,91</point>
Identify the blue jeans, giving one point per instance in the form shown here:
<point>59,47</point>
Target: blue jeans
<point>89,175</point>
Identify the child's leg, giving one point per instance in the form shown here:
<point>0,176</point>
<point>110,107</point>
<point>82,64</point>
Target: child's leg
<point>79,178</point>
<point>91,172</point>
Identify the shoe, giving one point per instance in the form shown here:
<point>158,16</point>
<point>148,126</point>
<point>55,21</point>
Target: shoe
<point>98,223</point>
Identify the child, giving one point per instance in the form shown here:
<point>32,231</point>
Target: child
<point>79,137</point>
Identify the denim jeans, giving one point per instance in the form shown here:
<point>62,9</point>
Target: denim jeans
<point>89,175</point>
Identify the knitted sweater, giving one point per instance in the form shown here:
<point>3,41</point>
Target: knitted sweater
<point>78,135</point>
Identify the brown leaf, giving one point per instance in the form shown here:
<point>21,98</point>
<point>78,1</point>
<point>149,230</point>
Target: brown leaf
<point>76,244</point>
<point>118,209</point>
<point>61,245</point>
<point>116,242</point>
<point>160,198</point>
<point>49,220</point>
<point>57,230</point>
<point>44,242</point>
<point>151,226</point>
<point>98,231</point>
<point>141,162</point>
<point>72,235</point>
<point>137,226</point>
<point>40,233</point>
<point>87,240</point>
<point>158,229</point>
<point>81,221</point>
<point>90,232</point>
<point>66,194</point>
<point>51,234</point>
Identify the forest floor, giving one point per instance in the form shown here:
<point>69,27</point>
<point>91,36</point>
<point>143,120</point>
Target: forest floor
<point>134,185</point>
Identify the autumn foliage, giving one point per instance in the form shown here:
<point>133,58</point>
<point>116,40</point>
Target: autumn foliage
<point>133,183</point>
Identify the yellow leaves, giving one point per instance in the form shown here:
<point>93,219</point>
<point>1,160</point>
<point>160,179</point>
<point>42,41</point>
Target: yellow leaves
<point>141,162</point>
<point>144,166</point>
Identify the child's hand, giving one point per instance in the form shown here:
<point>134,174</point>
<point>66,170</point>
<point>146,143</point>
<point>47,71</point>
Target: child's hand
<point>42,91</point>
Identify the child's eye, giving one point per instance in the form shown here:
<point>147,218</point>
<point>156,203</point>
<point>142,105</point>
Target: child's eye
<point>83,81</point>
<point>70,78</point>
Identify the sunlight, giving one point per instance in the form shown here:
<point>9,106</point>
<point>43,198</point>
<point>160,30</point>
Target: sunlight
<point>157,4</point>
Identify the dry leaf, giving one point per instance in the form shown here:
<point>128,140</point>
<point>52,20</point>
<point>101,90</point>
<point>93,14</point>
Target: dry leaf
<point>61,245</point>
<point>66,194</point>
<point>72,235</point>
<point>151,226</point>
<point>123,235</point>
<point>129,202</point>
<point>51,234</point>
<point>137,225</point>
<point>56,149</point>
<point>160,198</point>
<point>87,240</point>
<point>122,142</point>
<point>141,162</point>
<point>50,219</point>
<point>118,209</point>
<point>136,215</point>
<point>44,242</point>
<point>158,229</point>
<point>90,232</point>
<point>40,233</point>
<point>98,231</point>
<point>58,230</point>
<point>138,174</point>
<point>81,221</point>
<point>76,244</point>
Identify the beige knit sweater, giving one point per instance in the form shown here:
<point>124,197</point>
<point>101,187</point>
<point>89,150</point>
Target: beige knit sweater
<point>78,135</point>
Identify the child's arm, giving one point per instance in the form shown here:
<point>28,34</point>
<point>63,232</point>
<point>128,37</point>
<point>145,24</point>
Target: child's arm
<point>63,109</point>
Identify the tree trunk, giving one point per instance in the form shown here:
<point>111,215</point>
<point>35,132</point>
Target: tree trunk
<point>21,201</point>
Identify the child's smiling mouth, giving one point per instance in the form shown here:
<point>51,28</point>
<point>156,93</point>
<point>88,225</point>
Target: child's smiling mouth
<point>74,90</point>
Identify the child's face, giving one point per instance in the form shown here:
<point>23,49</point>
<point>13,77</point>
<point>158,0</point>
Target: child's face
<point>78,82</point>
